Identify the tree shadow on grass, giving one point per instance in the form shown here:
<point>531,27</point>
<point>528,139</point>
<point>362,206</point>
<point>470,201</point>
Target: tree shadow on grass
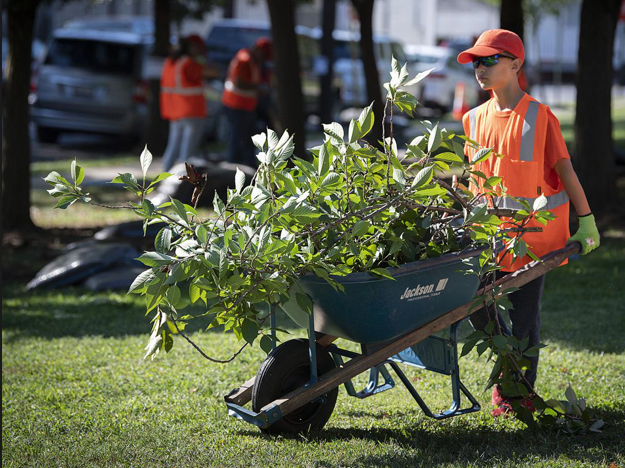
<point>78,312</point>
<point>433,445</point>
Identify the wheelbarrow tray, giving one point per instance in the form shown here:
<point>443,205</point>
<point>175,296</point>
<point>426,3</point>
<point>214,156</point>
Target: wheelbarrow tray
<point>372,309</point>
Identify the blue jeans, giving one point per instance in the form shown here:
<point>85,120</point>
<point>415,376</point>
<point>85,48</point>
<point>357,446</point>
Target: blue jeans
<point>183,142</point>
<point>240,146</point>
<point>525,318</point>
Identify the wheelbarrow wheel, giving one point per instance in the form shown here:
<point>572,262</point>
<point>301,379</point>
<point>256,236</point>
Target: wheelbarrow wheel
<point>285,369</point>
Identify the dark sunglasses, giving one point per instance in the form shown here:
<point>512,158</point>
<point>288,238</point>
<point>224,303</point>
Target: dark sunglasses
<point>489,61</point>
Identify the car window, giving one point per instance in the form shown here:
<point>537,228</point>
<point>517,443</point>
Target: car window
<point>105,57</point>
<point>235,38</point>
<point>422,58</point>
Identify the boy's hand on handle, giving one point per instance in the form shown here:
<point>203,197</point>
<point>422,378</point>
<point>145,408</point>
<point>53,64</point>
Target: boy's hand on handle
<point>587,234</point>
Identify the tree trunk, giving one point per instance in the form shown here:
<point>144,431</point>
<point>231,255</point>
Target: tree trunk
<point>511,16</point>
<point>158,129</point>
<point>593,155</point>
<point>372,77</point>
<point>287,70</point>
<point>326,103</point>
<point>15,117</point>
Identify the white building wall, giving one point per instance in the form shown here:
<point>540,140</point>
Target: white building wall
<point>407,21</point>
<point>464,19</point>
<point>554,38</point>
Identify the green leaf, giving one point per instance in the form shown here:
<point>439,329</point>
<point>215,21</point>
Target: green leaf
<point>334,131</point>
<point>500,341</point>
<point>478,214</point>
<point>468,346</point>
<point>540,203</point>
<point>260,141</point>
<point>173,295</point>
<point>54,178</point>
<point>146,160</point>
<point>66,202</point>
<point>78,173</point>
<point>223,264</point>
<point>201,233</point>
<point>239,180</point>
<point>366,120</point>
<point>266,344</point>
<point>481,155</point>
<point>353,133</point>
<point>398,176</point>
<point>249,330</point>
<point>179,209</point>
<point>126,178</point>
<point>142,280</point>
<point>323,160</point>
<point>449,157</point>
<point>162,243</point>
<point>596,426</point>
<point>434,140</point>
<point>383,273</point>
<point>570,395</point>
<point>331,180</point>
<point>194,293</point>
<point>288,182</point>
<point>419,77</point>
<point>155,259</point>
<point>159,178</point>
<point>304,302</point>
<point>423,177</point>
<point>360,228</point>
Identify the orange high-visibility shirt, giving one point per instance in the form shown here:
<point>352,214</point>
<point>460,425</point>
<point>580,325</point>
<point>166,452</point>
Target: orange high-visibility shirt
<point>529,137</point>
<point>241,67</point>
<point>182,90</point>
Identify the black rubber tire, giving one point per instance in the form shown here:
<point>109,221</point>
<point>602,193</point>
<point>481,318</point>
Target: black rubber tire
<point>47,134</point>
<point>285,369</point>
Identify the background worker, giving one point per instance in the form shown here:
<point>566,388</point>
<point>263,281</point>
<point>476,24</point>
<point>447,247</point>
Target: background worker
<point>182,98</point>
<point>240,100</point>
<point>535,162</point>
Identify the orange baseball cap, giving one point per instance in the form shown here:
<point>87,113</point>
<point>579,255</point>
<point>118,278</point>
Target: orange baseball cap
<point>264,44</point>
<point>492,42</point>
<point>196,40</point>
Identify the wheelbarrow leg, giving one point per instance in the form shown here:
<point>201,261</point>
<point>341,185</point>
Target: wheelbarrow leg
<point>373,386</point>
<point>456,385</point>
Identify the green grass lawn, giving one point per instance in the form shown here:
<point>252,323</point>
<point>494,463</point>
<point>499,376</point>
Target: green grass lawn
<point>76,392</point>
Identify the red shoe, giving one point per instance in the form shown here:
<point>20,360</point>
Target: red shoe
<point>497,399</point>
<point>504,404</point>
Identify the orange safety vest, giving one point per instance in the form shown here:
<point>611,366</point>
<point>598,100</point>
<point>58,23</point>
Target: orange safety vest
<point>237,98</point>
<point>181,97</point>
<point>523,175</point>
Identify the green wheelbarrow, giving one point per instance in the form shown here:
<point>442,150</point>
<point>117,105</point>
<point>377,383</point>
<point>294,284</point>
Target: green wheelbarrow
<point>394,322</point>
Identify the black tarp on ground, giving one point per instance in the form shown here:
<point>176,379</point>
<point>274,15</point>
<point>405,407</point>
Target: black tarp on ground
<point>83,261</point>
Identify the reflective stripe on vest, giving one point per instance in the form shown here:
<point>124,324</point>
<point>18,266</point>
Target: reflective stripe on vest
<point>178,88</point>
<point>472,113</point>
<point>229,85</point>
<point>529,132</point>
<point>553,201</point>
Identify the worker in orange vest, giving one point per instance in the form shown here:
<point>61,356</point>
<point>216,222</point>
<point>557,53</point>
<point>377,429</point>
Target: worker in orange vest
<point>182,98</point>
<point>536,162</point>
<point>240,99</point>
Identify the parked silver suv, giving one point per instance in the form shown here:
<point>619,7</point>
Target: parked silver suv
<point>92,81</point>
